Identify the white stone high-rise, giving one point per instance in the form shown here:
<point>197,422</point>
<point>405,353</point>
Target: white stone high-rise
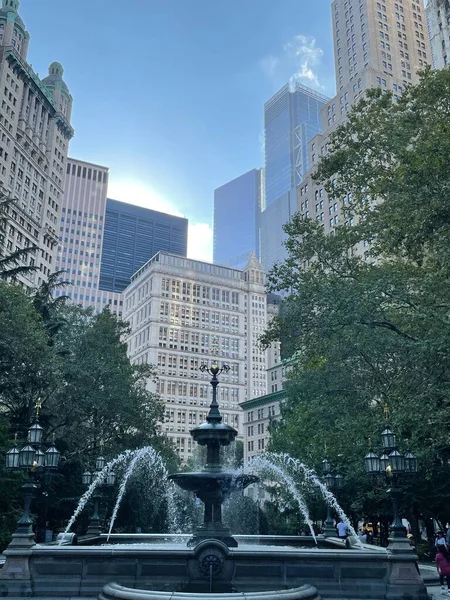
<point>182,312</point>
<point>438,16</point>
<point>35,132</point>
<point>381,43</point>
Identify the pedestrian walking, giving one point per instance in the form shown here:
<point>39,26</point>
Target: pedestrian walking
<point>443,567</point>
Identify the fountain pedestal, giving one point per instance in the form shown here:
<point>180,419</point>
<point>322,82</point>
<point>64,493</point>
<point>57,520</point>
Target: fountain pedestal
<point>213,485</point>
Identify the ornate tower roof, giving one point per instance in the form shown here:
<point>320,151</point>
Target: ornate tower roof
<point>253,263</point>
<point>12,7</point>
<point>253,270</point>
<point>54,78</point>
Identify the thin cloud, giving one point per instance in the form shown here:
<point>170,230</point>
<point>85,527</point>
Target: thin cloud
<point>300,61</point>
<point>269,65</point>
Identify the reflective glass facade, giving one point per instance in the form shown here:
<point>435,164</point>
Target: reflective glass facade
<point>291,119</point>
<point>132,235</point>
<point>237,206</point>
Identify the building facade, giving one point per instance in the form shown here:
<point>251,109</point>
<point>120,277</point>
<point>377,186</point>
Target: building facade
<point>132,235</point>
<point>258,415</point>
<point>291,118</point>
<point>81,236</point>
<point>35,132</point>
<point>182,313</point>
<point>438,17</point>
<point>237,206</point>
<point>376,44</point>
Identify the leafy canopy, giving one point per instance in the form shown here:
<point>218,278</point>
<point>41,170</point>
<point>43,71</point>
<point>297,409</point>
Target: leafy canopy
<point>367,319</point>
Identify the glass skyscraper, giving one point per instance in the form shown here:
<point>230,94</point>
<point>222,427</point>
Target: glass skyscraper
<point>291,119</point>
<point>237,206</point>
<point>131,236</point>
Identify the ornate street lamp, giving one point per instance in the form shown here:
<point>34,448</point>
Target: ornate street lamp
<point>394,465</point>
<point>35,461</point>
<point>88,478</point>
<point>334,482</point>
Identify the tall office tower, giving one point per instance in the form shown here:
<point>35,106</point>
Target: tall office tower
<point>34,136</point>
<point>291,119</point>
<point>438,16</point>
<point>377,44</point>
<point>184,312</point>
<point>237,206</point>
<point>81,235</point>
<point>132,235</point>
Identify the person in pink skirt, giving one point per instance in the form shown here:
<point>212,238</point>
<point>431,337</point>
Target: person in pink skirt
<point>443,567</point>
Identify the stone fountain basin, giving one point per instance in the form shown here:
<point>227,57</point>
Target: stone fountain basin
<point>213,482</point>
<point>113,591</point>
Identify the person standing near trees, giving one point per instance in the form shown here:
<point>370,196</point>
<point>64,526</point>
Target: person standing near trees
<point>342,530</point>
<point>443,567</point>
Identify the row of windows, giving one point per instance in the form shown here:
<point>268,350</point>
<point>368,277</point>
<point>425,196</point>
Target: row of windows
<point>87,173</point>
<point>261,413</point>
<point>176,289</point>
<point>251,445</point>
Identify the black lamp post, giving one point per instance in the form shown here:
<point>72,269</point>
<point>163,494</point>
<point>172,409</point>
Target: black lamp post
<point>35,459</point>
<point>108,482</point>
<point>394,465</point>
<point>334,482</point>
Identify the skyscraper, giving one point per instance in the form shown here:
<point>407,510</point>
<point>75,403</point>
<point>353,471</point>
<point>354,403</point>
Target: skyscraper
<point>131,236</point>
<point>34,138</point>
<point>377,44</point>
<point>291,117</point>
<point>81,235</point>
<point>237,206</point>
<point>184,312</point>
<point>438,16</point>
<point>99,237</point>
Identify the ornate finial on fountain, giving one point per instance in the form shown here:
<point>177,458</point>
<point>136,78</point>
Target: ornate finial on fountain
<point>38,407</point>
<point>214,415</point>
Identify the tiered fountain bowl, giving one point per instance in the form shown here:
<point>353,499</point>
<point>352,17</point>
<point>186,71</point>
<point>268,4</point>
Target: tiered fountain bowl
<point>213,485</point>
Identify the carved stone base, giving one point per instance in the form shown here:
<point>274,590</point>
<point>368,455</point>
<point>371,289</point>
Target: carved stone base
<point>221,534</point>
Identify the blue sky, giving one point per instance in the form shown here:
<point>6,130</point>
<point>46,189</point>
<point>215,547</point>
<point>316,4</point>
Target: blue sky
<point>169,93</point>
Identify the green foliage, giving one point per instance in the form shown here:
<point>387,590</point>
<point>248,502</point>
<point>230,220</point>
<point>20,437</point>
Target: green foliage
<point>367,317</point>
<point>13,264</point>
<point>92,396</point>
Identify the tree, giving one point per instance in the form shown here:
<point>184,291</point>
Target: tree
<point>11,265</point>
<point>47,305</point>
<point>26,362</point>
<point>93,398</point>
<point>367,319</point>
<point>103,396</point>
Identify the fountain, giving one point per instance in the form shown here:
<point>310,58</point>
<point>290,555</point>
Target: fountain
<point>213,485</point>
<point>211,562</point>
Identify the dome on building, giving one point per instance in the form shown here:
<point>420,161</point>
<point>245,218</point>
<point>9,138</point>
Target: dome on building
<point>54,77</point>
<point>12,6</point>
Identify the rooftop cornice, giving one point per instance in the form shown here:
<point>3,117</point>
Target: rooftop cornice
<point>43,92</point>
<point>263,400</point>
